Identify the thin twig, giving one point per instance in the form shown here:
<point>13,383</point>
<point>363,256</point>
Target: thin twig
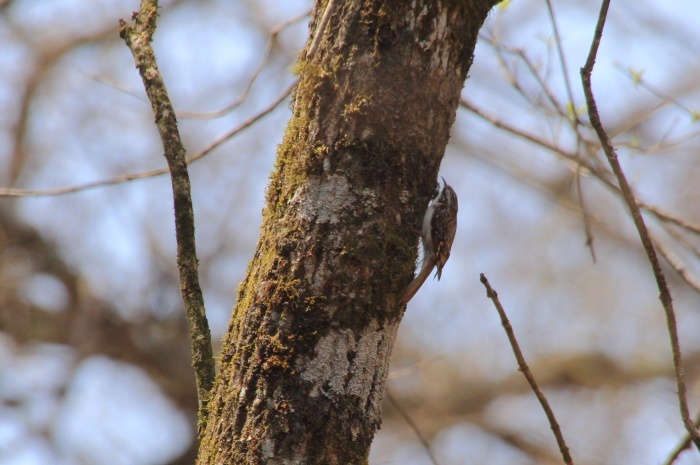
<point>562,61</point>
<point>681,447</point>
<point>637,79</point>
<point>272,38</point>
<point>541,82</point>
<point>568,156</point>
<point>602,175</point>
<point>512,78</point>
<point>663,217</point>
<point>320,30</point>
<point>587,230</point>
<point>637,118</point>
<point>11,192</point>
<point>675,263</point>
<point>669,217</point>
<point>667,143</point>
<point>138,38</point>
<point>575,124</point>
<point>532,68</point>
<point>682,240</point>
<point>525,370</point>
<point>410,369</point>
<point>665,294</point>
<point>412,424</point>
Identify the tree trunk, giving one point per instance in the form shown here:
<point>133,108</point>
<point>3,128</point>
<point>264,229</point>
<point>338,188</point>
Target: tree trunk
<point>305,360</point>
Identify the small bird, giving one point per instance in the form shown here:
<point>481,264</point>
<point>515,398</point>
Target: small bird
<point>437,235</point>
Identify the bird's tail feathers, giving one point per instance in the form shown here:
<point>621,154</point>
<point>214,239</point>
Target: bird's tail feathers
<point>408,293</point>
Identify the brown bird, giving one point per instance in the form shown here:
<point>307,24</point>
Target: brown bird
<point>437,235</point>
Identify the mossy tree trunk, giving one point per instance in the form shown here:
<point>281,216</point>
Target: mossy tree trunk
<point>305,360</point>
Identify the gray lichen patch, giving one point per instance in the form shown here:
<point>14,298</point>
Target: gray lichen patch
<point>333,373</point>
<point>327,372</point>
<point>323,198</point>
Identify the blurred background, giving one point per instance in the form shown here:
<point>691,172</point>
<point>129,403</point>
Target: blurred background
<point>94,348</point>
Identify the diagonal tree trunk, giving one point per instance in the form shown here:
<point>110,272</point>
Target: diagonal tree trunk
<point>305,360</point>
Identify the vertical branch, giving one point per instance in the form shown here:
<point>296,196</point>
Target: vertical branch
<point>138,39</point>
<point>665,294</point>
<point>562,61</point>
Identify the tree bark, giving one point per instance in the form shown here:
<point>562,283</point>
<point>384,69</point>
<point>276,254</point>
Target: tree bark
<point>305,359</point>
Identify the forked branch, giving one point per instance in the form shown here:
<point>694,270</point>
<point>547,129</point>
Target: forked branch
<point>665,294</point>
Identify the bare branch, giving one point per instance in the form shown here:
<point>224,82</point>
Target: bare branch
<point>572,160</point>
<point>575,124</point>
<point>525,370</point>
<point>675,263</point>
<point>562,61</point>
<point>669,217</point>
<point>272,38</point>
<point>627,194</point>
<point>321,29</point>
<point>532,68</point>
<point>637,78</point>
<point>681,447</point>
<point>415,367</point>
<point>683,241</point>
<point>11,192</point>
<point>138,38</point>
